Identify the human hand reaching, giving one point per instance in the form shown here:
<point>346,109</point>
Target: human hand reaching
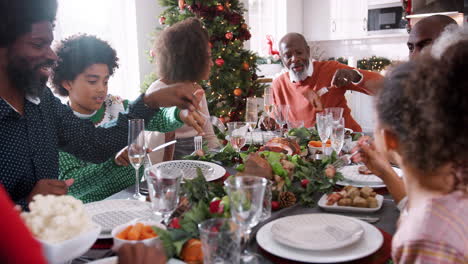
<point>50,186</point>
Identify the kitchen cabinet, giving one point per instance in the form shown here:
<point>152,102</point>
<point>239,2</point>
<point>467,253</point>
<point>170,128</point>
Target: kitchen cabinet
<point>335,19</point>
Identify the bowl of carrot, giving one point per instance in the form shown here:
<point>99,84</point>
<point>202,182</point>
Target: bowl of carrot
<point>136,232</point>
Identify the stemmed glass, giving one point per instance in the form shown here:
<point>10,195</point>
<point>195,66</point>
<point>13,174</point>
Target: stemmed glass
<point>251,115</point>
<point>324,128</point>
<point>246,202</point>
<point>335,112</point>
<point>237,133</point>
<point>281,113</point>
<point>267,105</point>
<point>136,150</point>
<point>337,135</point>
<point>163,187</point>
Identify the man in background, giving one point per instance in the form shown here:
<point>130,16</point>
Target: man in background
<point>310,86</point>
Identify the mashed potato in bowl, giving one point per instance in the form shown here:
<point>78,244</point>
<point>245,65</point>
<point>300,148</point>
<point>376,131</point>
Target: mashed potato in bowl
<point>57,218</point>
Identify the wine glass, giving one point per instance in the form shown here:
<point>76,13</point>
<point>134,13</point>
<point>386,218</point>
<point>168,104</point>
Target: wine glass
<point>324,128</point>
<point>335,112</point>
<point>246,202</point>
<point>281,113</point>
<point>268,100</point>
<point>251,115</point>
<point>163,187</point>
<point>237,133</point>
<point>337,135</point>
<point>136,150</point>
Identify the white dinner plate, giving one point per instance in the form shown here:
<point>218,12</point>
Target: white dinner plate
<point>211,170</point>
<point>113,260</point>
<point>322,203</point>
<point>353,177</point>
<point>111,213</point>
<point>370,242</point>
<point>317,231</point>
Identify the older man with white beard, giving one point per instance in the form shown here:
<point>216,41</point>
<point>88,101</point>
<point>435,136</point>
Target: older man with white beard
<point>310,86</point>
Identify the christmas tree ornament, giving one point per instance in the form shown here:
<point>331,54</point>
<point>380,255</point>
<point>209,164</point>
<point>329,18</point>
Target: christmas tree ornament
<point>229,35</point>
<point>181,4</point>
<point>210,45</point>
<point>220,7</point>
<point>162,20</point>
<point>245,66</point>
<point>287,199</point>
<point>244,26</point>
<point>219,62</point>
<point>237,92</point>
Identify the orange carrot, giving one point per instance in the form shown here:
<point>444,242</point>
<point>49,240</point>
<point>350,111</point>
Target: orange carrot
<point>135,232</point>
<point>124,233</point>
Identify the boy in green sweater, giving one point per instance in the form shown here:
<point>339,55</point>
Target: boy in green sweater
<point>85,64</point>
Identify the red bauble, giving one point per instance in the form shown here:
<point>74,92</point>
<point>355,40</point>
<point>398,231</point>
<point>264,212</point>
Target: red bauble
<point>275,205</point>
<point>238,92</point>
<point>220,7</point>
<point>245,66</point>
<point>162,20</point>
<point>229,35</point>
<point>181,4</point>
<point>219,62</point>
<point>244,26</point>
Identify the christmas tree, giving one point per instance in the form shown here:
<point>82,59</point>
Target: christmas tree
<point>233,77</point>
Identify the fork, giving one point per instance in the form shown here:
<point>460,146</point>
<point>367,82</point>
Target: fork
<point>198,142</point>
<point>344,160</point>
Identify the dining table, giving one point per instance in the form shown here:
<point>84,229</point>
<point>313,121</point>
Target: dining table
<point>386,218</point>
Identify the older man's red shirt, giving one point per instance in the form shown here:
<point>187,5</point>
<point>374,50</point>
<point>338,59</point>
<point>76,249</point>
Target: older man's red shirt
<point>293,94</point>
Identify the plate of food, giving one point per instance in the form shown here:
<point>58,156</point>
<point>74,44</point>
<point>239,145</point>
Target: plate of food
<point>361,176</point>
<point>115,260</point>
<point>109,214</point>
<point>352,199</point>
<point>210,170</point>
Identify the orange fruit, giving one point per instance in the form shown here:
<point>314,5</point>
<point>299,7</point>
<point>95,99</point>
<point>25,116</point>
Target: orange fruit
<point>192,251</point>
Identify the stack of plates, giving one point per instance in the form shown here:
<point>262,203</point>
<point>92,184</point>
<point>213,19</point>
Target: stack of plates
<point>324,238</point>
<point>353,177</point>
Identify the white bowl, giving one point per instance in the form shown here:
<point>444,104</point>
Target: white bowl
<point>70,249</point>
<point>148,242</point>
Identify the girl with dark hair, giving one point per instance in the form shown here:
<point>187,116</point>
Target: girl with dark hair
<point>421,125</point>
<point>183,54</point>
<point>85,64</point>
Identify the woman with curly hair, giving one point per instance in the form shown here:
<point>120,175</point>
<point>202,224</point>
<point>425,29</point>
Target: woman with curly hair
<point>85,64</point>
<point>182,54</point>
<point>422,116</point>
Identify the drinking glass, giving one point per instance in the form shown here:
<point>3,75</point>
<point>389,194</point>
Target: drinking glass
<point>324,128</point>
<point>163,186</point>
<point>251,114</point>
<point>136,150</point>
<point>281,113</point>
<point>335,112</point>
<point>266,209</point>
<point>220,239</point>
<point>268,100</point>
<point>337,135</point>
<point>246,202</point>
<point>237,134</point>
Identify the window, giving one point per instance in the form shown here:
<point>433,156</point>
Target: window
<point>113,21</point>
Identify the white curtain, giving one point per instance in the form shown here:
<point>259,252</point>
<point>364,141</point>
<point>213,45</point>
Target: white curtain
<point>113,21</point>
